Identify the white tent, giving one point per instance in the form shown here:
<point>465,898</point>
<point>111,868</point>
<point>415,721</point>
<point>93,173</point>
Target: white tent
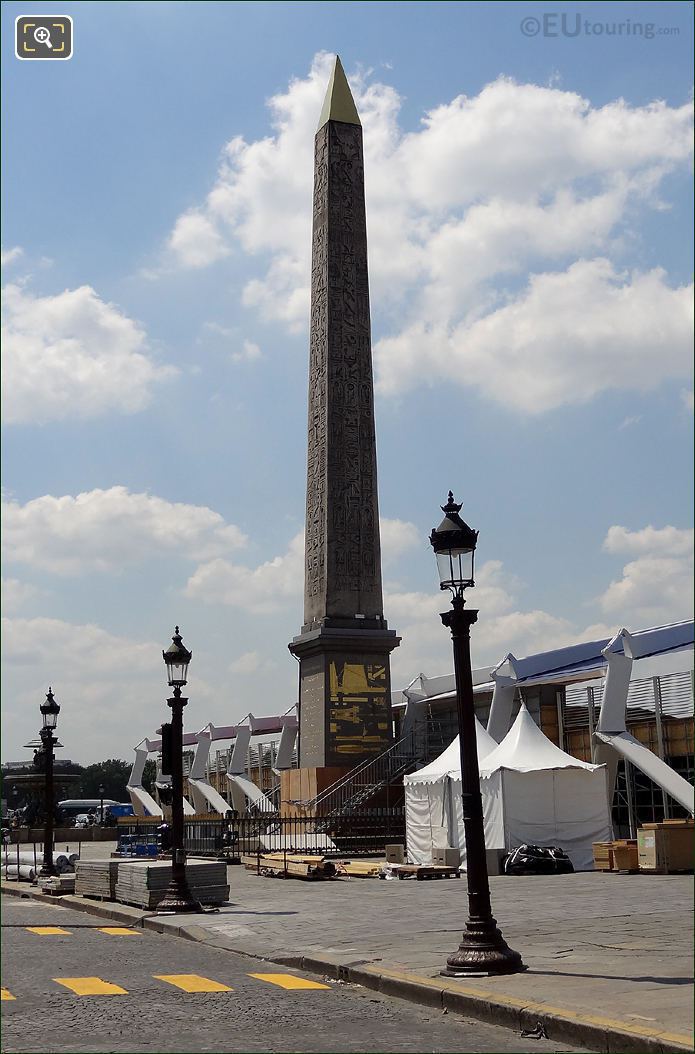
<point>428,804</point>
<point>532,791</point>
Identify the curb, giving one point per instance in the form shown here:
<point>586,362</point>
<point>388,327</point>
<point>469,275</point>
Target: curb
<point>594,1032</point>
<point>105,910</point>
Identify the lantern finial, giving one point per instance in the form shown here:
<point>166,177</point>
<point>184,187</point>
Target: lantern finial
<point>451,505</point>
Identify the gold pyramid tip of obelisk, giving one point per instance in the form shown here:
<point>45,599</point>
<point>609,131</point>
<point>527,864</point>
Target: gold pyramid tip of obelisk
<point>339,104</point>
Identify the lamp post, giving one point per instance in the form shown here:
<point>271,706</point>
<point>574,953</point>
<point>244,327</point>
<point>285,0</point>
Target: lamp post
<point>101,804</point>
<point>178,897</point>
<point>482,948</point>
<point>49,711</point>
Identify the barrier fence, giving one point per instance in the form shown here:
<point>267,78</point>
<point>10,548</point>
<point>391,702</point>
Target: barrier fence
<point>21,864</point>
<point>355,834</point>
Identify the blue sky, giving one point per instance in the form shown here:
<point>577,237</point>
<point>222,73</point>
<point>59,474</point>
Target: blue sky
<point>529,212</point>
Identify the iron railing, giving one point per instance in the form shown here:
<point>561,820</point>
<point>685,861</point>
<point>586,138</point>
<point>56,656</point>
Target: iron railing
<point>364,833</point>
<point>14,859</point>
<point>360,784</point>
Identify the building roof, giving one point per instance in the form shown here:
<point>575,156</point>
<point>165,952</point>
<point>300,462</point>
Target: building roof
<point>660,651</point>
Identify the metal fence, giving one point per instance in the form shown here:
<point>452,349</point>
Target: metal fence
<point>21,863</point>
<point>356,834</point>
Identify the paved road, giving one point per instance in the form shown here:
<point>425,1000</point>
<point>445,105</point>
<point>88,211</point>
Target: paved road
<point>89,987</point>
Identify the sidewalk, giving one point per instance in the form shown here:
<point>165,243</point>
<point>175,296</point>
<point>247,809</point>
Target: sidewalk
<point>609,956</point>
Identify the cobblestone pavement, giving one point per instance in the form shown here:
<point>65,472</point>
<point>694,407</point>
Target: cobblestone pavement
<point>611,944</point>
<point>140,995</point>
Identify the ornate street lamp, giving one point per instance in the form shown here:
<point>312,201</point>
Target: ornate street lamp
<point>178,897</point>
<point>101,803</point>
<point>49,712</point>
<point>482,948</point>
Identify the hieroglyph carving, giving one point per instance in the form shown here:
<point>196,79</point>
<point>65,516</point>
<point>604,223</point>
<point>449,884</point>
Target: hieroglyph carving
<point>343,562</point>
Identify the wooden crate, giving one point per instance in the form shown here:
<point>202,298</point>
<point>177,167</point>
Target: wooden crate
<point>668,846</point>
<point>603,856</point>
<point>625,856</point>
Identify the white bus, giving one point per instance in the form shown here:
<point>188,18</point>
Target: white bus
<point>71,808</point>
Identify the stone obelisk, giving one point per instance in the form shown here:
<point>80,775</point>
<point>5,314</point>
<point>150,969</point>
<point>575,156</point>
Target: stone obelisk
<point>345,643</point>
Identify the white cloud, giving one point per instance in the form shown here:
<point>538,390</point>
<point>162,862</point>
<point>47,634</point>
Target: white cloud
<point>516,140</point>
<point>271,585</point>
<point>105,530</point>
<point>244,350</point>
<point>223,331</point>
<point>16,594</point>
<point>545,349</point>
<point>249,662</point>
<point>195,242</point>
<point>250,352</point>
<point>260,590</point>
<point>8,256</point>
<point>106,703</point>
<point>657,586</point>
<point>426,644</point>
<point>72,355</point>
<point>519,178</point>
<point>397,536</point>
<point>41,641</point>
<point>662,541</point>
<point>500,236</point>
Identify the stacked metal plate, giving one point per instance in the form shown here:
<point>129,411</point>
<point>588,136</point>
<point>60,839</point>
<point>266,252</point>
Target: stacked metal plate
<point>96,878</point>
<point>58,884</point>
<point>144,884</point>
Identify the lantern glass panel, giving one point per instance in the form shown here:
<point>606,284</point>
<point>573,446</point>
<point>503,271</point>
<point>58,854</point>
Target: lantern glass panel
<point>455,568</point>
<point>50,716</point>
<point>177,670</point>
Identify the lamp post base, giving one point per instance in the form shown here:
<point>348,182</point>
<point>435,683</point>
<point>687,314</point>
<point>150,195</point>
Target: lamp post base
<point>483,949</point>
<point>178,899</point>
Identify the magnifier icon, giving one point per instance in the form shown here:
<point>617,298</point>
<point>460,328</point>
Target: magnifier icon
<point>42,36</point>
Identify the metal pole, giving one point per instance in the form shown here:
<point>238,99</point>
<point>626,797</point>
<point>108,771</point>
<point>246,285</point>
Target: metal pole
<point>178,897</point>
<point>560,720</point>
<point>590,710</point>
<point>48,742</point>
<point>630,799</point>
<point>656,685</point>
<point>482,948</point>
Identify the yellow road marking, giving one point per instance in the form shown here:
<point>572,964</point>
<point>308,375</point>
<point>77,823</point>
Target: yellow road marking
<point>288,980</point>
<point>192,982</point>
<point>118,931</point>
<point>90,986</point>
<point>45,931</point>
<point>4,994</point>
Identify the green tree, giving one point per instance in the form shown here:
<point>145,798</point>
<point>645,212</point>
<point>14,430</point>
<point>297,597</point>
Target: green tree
<point>149,775</point>
<point>112,775</point>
